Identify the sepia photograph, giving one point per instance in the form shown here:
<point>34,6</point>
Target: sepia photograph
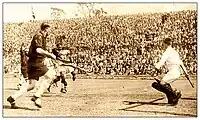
<point>98,59</point>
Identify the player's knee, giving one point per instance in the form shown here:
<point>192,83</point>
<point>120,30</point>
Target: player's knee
<point>62,74</point>
<point>50,74</point>
<point>62,78</point>
<point>154,85</point>
<point>168,86</point>
<point>158,86</point>
<point>32,84</point>
<point>30,88</point>
<point>56,79</point>
<point>45,83</point>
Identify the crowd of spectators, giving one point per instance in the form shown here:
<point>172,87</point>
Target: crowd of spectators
<point>117,45</point>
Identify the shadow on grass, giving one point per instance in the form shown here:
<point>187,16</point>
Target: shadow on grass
<point>45,95</point>
<point>136,104</point>
<point>163,112</point>
<point>143,103</point>
<point>152,102</point>
<point>189,98</point>
<point>11,89</point>
<point>23,108</point>
<point>48,95</point>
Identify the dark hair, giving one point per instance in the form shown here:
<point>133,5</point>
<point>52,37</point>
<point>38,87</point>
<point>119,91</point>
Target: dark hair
<point>44,25</point>
<point>168,41</point>
<point>58,45</point>
<point>65,48</point>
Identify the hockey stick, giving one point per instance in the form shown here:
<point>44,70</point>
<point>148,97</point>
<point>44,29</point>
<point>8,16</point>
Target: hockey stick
<point>187,76</point>
<point>67,63</point>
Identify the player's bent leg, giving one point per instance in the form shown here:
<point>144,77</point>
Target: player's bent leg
<point>53,82</point>
<point>73,75</point>
<point>45,83</point>
<point>72,71</point>
<point>49,76</point>
<point>158,86</point>
<point>25,87</point>
<point>37,96</point>
<point>32,83</point>
<point>166,88</point>
<point>11,100</point>
<point>56,79</point>
<point>172,96</point>
<point>169,78</point>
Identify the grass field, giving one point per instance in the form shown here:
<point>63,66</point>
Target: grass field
<point>104,98</point>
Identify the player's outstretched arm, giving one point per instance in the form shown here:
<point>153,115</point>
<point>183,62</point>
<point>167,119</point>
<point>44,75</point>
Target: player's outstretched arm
<point>46,53</point>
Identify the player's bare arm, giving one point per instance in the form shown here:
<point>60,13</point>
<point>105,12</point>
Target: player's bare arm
<point>46,53</point>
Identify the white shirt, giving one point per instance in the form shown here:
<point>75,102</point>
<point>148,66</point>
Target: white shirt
<point>172,59</point>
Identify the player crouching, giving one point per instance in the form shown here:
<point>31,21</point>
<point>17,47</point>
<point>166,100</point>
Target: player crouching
<point>173,63</point>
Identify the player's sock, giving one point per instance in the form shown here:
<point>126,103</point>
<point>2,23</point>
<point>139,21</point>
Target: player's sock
<point>12,102</point>
<point>63,90</point>
<point>56,80</point>
<point>73,76</point>
<point>37,101</point>
<point>173,95</point>
<point>53,82</point>
<point>36,98</point>
<point>64,82</point>
<point>49,88</point>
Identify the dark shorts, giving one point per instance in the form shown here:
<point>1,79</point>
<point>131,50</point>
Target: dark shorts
<point>36,71</point>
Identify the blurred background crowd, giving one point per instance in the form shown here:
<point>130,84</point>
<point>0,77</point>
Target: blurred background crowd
<point>116,45</point>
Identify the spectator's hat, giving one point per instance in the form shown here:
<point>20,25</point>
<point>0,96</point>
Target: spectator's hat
<point>167,41</point>
<point>44,25</point>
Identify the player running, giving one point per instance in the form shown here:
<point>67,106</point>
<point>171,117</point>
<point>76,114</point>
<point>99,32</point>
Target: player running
<point>36,68</point>
<point>173,63</point>
<point>59,52</point>
<point>24,68</point>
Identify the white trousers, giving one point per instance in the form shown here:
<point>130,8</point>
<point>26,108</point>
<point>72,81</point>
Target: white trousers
<point>171,76</point>
<point>64,69</point>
